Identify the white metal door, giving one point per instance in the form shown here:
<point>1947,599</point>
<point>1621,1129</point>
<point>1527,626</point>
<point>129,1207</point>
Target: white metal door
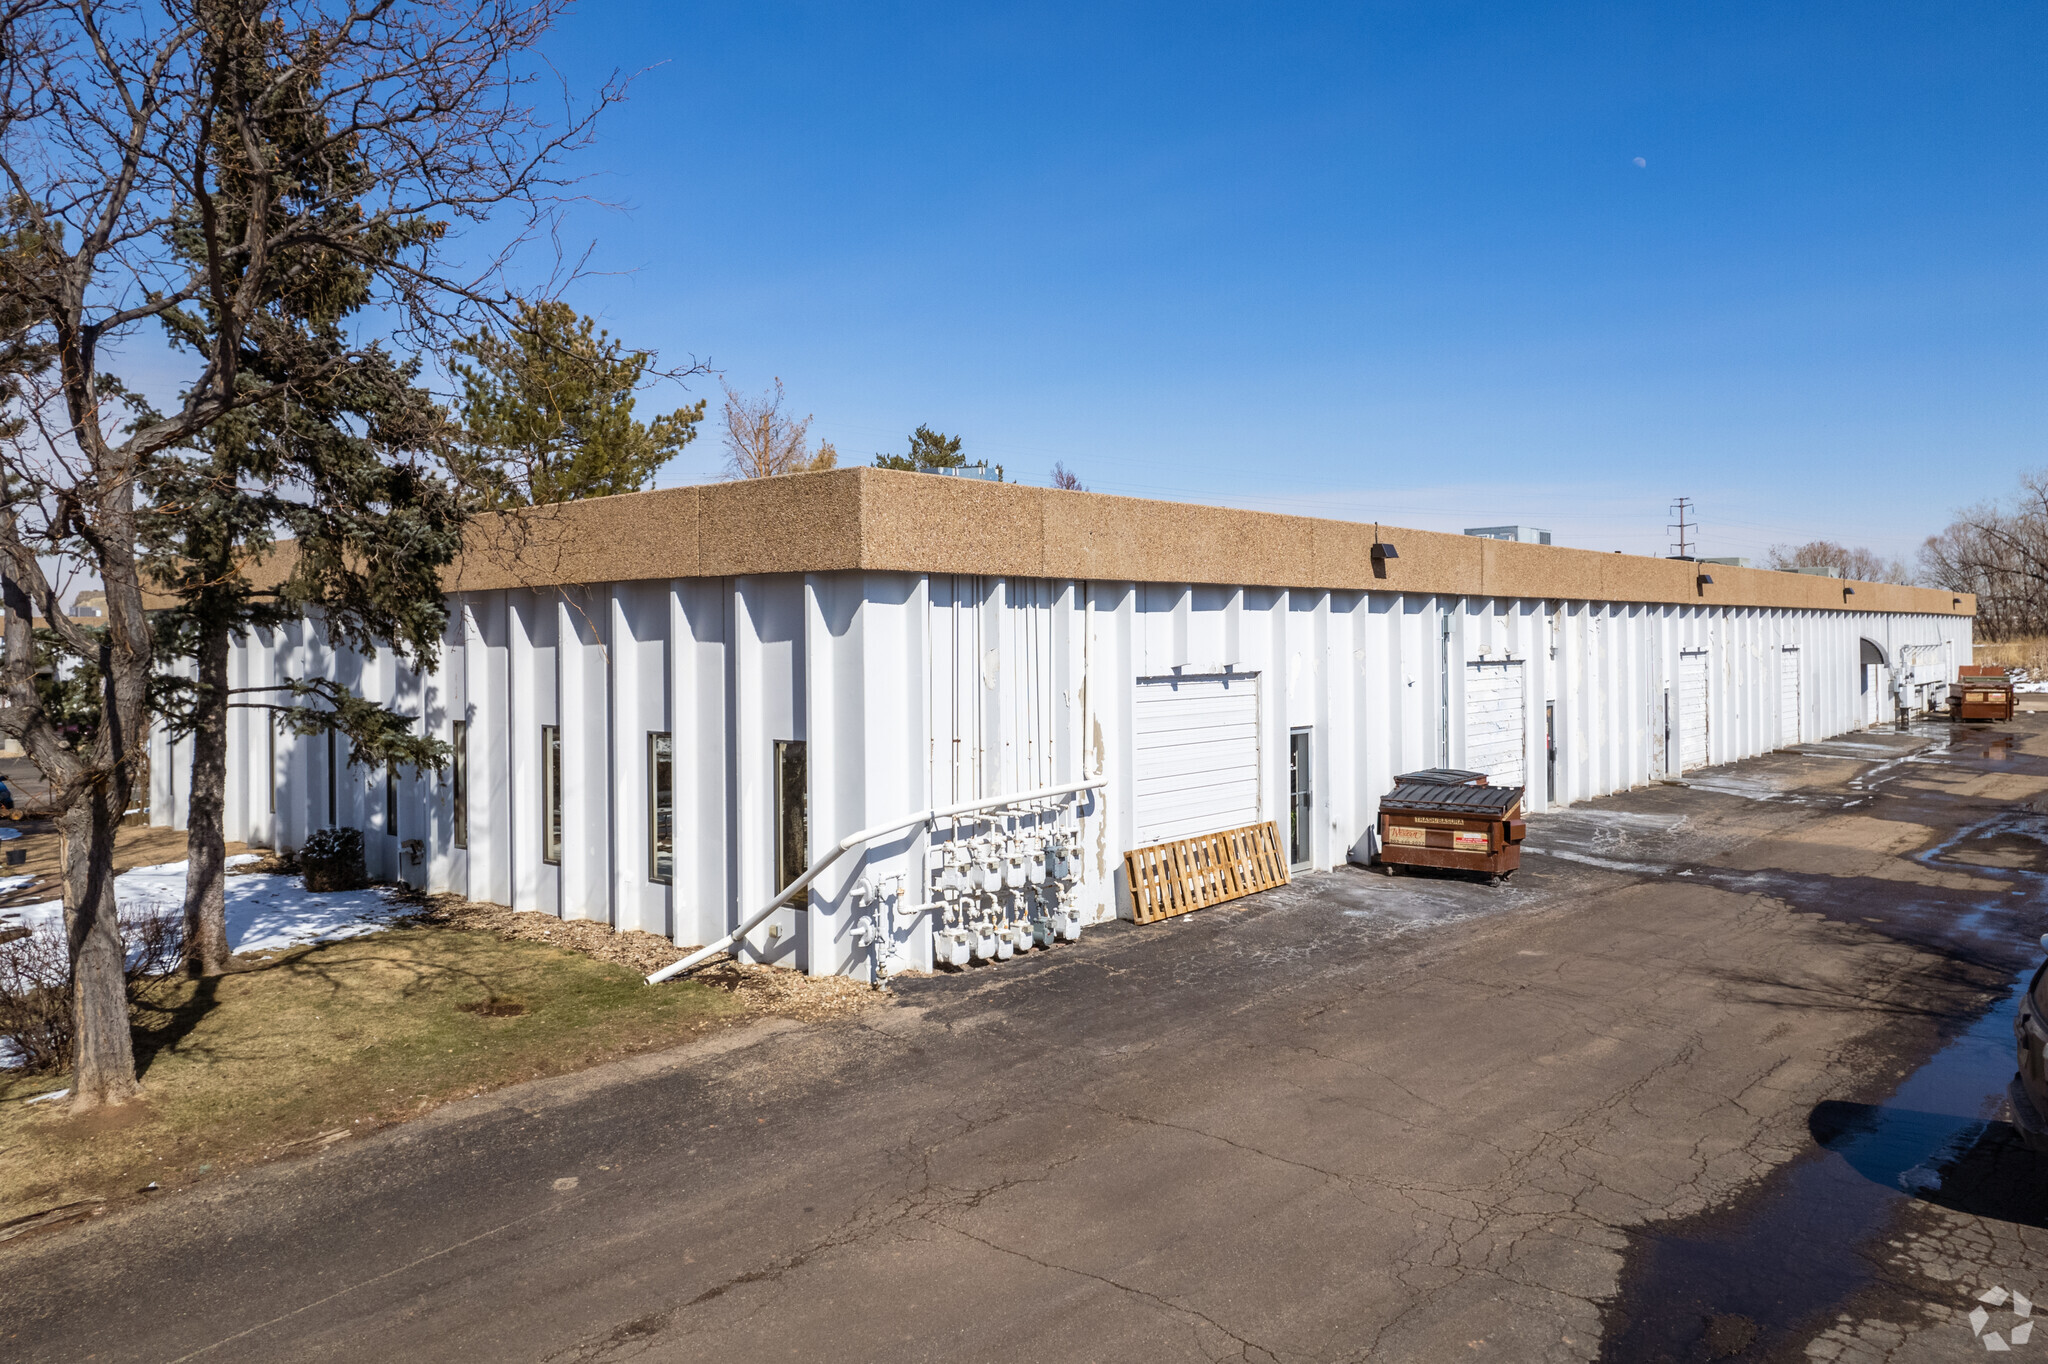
<point>1877,681</point>
<point>1692,709</point>
<point>1788,696</point>
<point>1497,722</point>
<point>1197,741</point>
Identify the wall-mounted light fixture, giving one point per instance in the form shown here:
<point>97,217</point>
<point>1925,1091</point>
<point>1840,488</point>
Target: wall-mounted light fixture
<point>1383,552</point>
<point>1705,581</point>
<point>1848,592</point>
<point>1956,602</point>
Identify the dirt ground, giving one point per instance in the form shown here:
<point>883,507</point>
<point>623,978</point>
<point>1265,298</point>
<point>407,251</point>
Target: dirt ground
<point>1613,1110</point>
<point>761,989</point>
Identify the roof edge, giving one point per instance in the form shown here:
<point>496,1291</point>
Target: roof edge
<point>887,520</point>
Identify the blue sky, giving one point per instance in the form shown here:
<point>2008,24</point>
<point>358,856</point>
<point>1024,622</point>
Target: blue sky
<point>1440,264</point>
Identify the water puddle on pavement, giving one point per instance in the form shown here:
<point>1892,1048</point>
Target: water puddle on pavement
<point>1756,1281</point>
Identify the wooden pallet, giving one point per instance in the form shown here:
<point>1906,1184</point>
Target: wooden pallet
<point>1195,873</point>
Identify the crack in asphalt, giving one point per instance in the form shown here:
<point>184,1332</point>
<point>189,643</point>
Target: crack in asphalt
<point>1245,1347</point>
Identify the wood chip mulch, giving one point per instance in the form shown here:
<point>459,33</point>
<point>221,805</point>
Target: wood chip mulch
<point>761,989</point>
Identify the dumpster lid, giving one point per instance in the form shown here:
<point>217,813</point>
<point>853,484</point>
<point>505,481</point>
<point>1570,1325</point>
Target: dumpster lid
<point>1484,801</point>
<point>1441,776</point>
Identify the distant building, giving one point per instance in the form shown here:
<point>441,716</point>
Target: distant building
<point>1731,561</point>
<point>1528,535</point>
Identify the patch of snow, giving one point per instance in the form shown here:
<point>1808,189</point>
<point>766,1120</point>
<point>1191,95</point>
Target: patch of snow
<point>44,1098</point>
<point>1846,748</point>
<point>1611,863</point>
<point>266,911</point>
<point>1661,823</point>
<point>10,884</point>
<point>1743,788</point>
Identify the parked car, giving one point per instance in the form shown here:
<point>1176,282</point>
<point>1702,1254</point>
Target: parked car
<point>2028,1092</point>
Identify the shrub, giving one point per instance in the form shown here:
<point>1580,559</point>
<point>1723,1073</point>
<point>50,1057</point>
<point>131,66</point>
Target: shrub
<point>35,999</point>
<point>35,981</point>
<point>333,860</point>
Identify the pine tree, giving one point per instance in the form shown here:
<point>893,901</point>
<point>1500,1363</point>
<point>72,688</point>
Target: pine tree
<point>929,449</point>
<point>547,412</point>
<point>333,457</point>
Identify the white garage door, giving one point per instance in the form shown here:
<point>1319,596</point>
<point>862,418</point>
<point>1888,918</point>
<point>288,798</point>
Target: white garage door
<point>1692,709</point>
<point>1788,696</point>
<point>1197,756</point>
<point>1496,722</point>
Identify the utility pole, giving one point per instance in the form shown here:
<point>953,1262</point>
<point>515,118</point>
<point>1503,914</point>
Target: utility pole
<point>1688,531</point>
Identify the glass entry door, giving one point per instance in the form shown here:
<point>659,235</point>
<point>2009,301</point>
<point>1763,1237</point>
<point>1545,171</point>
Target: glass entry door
<point>1300,796</point>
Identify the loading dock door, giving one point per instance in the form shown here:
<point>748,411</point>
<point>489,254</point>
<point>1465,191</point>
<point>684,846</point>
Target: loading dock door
<point>1692,709</point>
<point>1788,697</point>
<point>1197,742</point>
<point>1496,721</point>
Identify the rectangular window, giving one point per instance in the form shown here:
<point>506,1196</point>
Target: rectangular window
<point>330,777</point>
<point>458,771</point>
<point>550,793</point>
<point>661,808</point>
<point>792,812</point>
<point>391,799</point>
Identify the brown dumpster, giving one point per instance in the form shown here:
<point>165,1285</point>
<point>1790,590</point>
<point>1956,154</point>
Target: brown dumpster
<point>1468,826</point>
<point>1442,776</point>
<point>1981,691</point>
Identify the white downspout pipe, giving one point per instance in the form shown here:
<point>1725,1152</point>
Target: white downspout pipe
<point>847,844</point>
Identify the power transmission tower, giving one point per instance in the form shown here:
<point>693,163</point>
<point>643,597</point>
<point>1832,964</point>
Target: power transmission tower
<point>1688,531</point>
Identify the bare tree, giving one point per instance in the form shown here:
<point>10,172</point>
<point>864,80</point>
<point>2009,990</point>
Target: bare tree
<point>1858,563</point>
<point>1063,477</point>
<point>763,441</point>
<point>145,188</point>
<point>2000,552</point>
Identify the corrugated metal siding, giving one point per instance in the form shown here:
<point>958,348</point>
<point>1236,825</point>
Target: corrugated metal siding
<point>1788,696</point>
<point>1496,721</point>
<point>1692,709</point>
<point>913,691</point>
<point>1196,742</point>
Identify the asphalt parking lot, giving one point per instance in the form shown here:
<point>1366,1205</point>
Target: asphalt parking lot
<point>1716,1076</point>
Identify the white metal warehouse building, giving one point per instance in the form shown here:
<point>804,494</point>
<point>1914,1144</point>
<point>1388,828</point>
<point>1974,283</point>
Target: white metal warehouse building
<point>667,704</point>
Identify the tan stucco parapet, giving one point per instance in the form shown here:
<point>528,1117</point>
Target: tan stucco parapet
<point>881,519</point>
